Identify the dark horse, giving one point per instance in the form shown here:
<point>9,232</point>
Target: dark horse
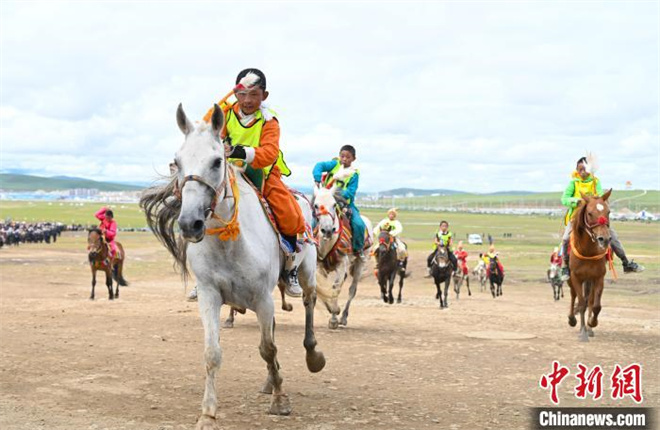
<point>496,277</point>
<point>441,270</point>
<point>590,240</point>
<point>388,266</point>
<point>100,259</point>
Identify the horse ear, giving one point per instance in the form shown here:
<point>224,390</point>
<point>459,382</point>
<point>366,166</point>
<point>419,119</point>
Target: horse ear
<point>607,194</point>
<point>182,121</point>
<point>217,120</point>
<point>585,197</point>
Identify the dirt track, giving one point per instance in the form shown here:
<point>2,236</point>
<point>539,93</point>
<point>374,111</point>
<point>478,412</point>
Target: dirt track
<point>136,363</point>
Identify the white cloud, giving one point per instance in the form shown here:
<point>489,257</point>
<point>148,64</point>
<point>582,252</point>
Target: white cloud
<point>474,96</point>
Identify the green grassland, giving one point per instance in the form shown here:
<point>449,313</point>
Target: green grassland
<point>528,247</point>
<point>635,200</point>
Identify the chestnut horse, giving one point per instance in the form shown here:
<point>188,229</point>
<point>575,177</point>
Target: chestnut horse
<point>100,259</point>
<point>590,240</point>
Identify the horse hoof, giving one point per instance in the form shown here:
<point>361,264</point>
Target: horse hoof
<point>315,361</point>
<point>280,405</point>
<point>91,298</point>
<point>572,321</point>
<point>228,324</point>
<point>391,300</point>
<point>590,333</point>
<point>267,388</point>
<point>398,300</point>
<point>206,422</point>
<point>593,323</point>
<point>287,308</point>
<point>343,321</point>
<point>583,337</point>
<point>333,325</point>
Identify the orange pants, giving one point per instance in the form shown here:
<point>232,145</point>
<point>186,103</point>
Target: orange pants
<point>288,215</point>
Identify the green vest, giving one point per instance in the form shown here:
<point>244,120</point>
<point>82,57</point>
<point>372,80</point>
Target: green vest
<point>343,184</point>
<point>588,188</point>
<point>250,136</point>
<point>444,238</point>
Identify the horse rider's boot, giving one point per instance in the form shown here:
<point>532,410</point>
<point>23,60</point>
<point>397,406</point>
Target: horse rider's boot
<point>293,288</point>
<point>631,266</point>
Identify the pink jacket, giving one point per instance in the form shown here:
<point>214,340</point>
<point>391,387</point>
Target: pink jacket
<point>109,228</point>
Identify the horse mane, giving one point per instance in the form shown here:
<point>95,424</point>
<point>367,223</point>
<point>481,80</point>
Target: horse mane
<point>578,218</point>
<point>162,209</point>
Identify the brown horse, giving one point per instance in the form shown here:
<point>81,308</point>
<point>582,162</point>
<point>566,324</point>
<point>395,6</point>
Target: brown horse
<point>590,240</point>
<point>100,259</point>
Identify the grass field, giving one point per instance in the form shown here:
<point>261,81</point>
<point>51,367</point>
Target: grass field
<point>635,200</point>
<point>528,247</point>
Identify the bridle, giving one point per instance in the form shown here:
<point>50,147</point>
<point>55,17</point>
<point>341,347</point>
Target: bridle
<point>589,228</point>
<point>230,228</point>
<point>216,191</point>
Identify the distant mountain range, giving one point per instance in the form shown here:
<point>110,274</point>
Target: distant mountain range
<point>15,182</point>
<point>22,183</point>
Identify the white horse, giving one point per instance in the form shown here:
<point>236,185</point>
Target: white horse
<point>240,265</point>
<point>342,264</point>
<point>480,272</point>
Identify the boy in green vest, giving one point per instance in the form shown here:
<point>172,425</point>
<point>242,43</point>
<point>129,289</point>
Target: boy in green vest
<point>341,173</point>
<point>444,237</point>
<point>251,133</point>
<point>583,182</point>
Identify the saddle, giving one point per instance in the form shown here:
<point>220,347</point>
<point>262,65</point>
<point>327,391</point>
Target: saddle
<point>306,237</point>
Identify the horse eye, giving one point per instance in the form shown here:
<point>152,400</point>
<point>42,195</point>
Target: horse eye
<point>217,163</point>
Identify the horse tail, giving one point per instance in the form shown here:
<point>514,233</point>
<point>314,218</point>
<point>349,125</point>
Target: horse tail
<point>118,267</point>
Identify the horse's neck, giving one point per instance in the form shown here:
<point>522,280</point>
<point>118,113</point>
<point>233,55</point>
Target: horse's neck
<point>585,244</point>
<point>251,217</point>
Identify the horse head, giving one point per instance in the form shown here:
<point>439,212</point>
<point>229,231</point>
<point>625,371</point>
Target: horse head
<point>95,243</point>
<point>201,170</point>
<point>325,212</point>
<point>594,217</point>
<point>554,270</point>
<point>385,241</point>
<point>441,257</point>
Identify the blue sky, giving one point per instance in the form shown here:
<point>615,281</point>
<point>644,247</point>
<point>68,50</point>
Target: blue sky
<point>474,96</point>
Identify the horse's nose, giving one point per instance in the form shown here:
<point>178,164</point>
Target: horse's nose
<point>604,242</point>
<point>192,229</point>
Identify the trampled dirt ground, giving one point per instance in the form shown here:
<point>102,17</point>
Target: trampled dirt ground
<point>136,363</point>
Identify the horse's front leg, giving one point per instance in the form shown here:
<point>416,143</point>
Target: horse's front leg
<point>438,296</point>
<point>402,275</point>
<point>492,288</point>
<point>390,296</point>
<point>582,308</point>
<point>447,282</point>
<point>279,404</point>
<point>352,290</point>
<point>91,297</point>
<point>595,305</point>
<point>210,301</point>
